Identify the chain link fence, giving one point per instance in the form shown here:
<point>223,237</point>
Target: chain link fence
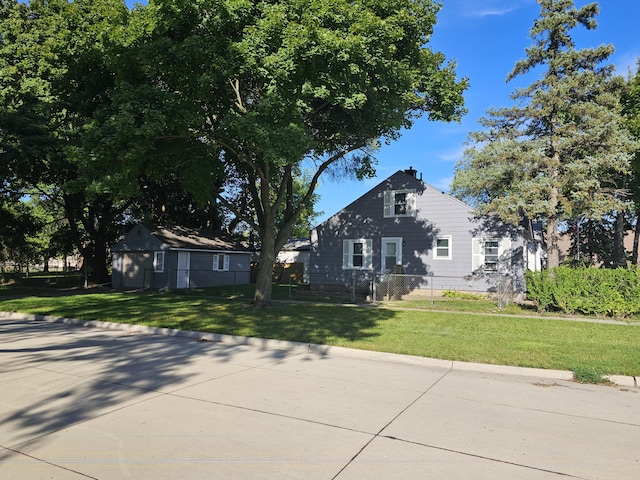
<point>394,286</point>
<point>381,287</point>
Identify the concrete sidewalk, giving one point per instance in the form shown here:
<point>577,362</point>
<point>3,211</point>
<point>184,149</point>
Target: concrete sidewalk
<point>78,402</point>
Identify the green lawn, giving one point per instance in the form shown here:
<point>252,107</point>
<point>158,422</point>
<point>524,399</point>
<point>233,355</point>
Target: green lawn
<point>421,330</point>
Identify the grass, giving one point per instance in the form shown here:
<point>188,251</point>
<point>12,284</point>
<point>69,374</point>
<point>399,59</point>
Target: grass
<point>412,328</point>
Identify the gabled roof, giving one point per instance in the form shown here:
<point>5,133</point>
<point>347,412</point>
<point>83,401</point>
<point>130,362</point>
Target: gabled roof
<point>177,237</point>
<point>403,176</point>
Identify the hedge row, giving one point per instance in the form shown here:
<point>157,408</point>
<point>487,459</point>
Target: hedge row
<point>590,291</point>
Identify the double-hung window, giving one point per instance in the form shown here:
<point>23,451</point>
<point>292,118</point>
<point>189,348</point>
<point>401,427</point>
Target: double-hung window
<point>491,254</point>
<point>399,203</point>
<point>356,254</point>
<point>220,262</point>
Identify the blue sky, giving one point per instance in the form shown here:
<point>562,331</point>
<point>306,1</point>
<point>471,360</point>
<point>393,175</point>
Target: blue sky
<point>485,38</point>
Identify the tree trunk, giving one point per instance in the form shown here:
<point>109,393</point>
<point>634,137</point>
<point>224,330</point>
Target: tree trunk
<point>272,241</point>
<point>619,255</point>
<point>553,239</point>
<point>264,278</point>
<point>636,240</point>
<point>97,261</point>
<point>553,251</point>
<point>94,252</point>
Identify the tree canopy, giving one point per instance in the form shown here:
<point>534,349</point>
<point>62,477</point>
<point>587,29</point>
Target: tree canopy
<point>230,105</point>
<point>562,151</point>
<point>279,88</point>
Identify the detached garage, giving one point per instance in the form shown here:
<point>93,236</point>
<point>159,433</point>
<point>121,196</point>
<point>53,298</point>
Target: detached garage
<point>178,257</point>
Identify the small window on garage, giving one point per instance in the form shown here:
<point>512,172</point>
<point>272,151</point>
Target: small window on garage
<point>158,262</point>
<point>220,262</point>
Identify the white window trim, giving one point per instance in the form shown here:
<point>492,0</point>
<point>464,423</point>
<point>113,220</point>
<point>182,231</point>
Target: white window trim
<point>398,242</point>
<point>449,249</point>
<point>347,253</point>
<point>216,262</point>
<point>389,203</point>
<point>158,262</point>
<point>478,254</point>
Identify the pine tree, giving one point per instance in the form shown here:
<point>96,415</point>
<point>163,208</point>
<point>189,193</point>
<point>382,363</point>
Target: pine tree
<point>560,152</point>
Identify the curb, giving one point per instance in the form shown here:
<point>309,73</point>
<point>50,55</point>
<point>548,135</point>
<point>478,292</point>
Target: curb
<point>323,350</point>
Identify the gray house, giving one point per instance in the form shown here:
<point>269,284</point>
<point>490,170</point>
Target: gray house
<point>404,226</point>
<point>178,257</point>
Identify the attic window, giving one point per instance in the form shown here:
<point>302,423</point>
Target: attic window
<point>399,203</point>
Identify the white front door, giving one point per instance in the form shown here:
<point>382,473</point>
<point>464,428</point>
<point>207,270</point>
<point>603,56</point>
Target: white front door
<point>183,269</point>
<point>391,253</point>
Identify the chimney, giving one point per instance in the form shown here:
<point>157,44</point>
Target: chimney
<point>411,172</point>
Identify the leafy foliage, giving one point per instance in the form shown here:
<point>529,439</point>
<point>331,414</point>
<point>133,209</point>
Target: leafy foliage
<point>282,88</point>
<point>462,295</point>
<point>589,291</point>
<point>179,108</point>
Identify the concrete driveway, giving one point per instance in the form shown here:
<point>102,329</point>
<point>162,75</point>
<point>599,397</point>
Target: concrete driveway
<point>79,402</point>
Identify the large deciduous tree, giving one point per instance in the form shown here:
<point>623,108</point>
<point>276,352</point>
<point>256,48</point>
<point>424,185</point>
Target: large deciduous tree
<point>79,118</point>
<point>562,151</point>
<point>276,88</point>
<point>55,76</point>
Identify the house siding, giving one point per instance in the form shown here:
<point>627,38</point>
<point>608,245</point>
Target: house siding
<point>133,264</point>
<point>437,215</point>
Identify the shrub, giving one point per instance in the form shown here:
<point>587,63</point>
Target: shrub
<point>586,290</point>
<point>462,295</point>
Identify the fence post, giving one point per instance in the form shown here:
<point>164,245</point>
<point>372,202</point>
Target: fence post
<point>373,287</point>
<point>353,287</point>
<point>431,275</point>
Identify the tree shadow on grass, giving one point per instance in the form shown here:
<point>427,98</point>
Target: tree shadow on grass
<point>299,322</point>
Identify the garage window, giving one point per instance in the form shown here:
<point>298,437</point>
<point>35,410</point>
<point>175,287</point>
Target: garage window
<point>158,262</point>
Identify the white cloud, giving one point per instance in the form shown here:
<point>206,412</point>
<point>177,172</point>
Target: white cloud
<point>491,12</point>
<point>493,8</point>
<point>452,155</point>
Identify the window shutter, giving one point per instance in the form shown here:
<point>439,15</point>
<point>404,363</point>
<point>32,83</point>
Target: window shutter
<point>388,204</point>
<point>226,263</point>
<point>504,266</point>
<point>346,253</point>
<point>477,253</point>
<point>411,203</point>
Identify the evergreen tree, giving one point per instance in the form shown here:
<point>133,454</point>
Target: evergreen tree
<point>561,151</point>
